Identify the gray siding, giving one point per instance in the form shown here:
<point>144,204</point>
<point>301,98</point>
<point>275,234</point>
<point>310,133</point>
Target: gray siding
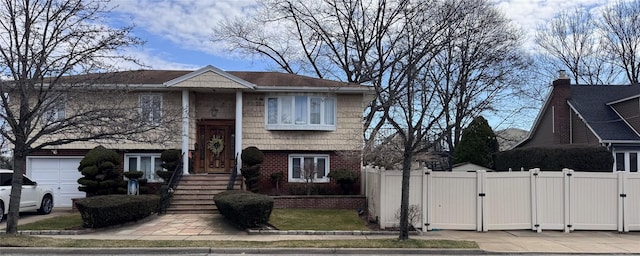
<point>580,133</point>
<point>543,134</point>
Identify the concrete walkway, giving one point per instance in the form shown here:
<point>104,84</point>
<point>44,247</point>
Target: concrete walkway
<point>214,227</point>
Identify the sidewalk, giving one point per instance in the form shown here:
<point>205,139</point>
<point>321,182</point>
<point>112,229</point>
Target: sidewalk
<point>214,227</point>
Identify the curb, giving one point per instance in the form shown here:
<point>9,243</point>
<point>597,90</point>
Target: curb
<point>207,250</point>
<point>52,232</point>
<point>335,232</point>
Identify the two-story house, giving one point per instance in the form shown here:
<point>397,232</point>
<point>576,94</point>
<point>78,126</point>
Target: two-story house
<point>295,120</point>
<point>606,115</point>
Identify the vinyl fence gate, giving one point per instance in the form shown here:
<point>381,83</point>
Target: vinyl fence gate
<point>551,200</point>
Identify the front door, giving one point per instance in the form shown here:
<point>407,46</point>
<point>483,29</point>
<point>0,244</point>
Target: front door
<point>215,146</point>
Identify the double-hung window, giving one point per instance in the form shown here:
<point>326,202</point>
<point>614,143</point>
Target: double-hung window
<point>308,168</point>
<point>627,161</point>
<point>147,163</point>
<point>301,112</point>
<point>151,108</point>
<point>55,110</point>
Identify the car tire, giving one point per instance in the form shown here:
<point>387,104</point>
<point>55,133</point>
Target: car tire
<point>47,205</point>
<point>1,211</point>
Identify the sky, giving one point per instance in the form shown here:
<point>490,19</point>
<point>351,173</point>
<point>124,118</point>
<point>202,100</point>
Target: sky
<point>178,32</point>
<point>178,35</point>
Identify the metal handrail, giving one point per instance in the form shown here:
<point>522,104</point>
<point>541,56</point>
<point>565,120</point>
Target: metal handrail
<point>234,174</point>
<point>167,192</point>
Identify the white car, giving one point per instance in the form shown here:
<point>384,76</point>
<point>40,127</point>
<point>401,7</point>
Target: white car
<point>33,198</point>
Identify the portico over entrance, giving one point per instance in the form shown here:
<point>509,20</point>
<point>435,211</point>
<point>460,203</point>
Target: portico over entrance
<point>211,119</point>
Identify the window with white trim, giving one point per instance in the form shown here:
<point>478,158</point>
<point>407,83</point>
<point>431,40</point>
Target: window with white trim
<point>151,108</point>
<point>309,168</point>
<point>627,161</point>
<point>147,163</point>
<point>56,111</point>
<point>300,112</point>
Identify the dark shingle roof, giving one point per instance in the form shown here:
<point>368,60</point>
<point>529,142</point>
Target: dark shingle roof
<point>272,79</point>
<point>286,79</point>
<point>591,103</point>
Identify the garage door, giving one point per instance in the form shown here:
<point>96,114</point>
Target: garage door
<point>59,174</point>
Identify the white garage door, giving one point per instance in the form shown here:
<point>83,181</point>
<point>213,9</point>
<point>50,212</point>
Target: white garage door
<point>60,174</point>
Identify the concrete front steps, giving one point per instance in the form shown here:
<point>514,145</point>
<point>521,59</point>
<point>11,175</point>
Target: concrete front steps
<point>194,194</point>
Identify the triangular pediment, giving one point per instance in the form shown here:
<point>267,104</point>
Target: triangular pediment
<point>211,78</point>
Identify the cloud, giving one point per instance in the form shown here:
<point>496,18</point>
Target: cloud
<point>186,23</point>
<point>528,15</point>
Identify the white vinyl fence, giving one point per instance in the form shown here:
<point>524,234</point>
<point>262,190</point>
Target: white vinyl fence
<point>483,201</point>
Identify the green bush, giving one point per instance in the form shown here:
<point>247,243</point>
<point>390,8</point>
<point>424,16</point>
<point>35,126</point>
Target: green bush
<point>251,176</point>
<point>252,156</point>
<point>245,209</point>
<point>576,157</point>
<point>133,175</point>
<point>101,177</point>
<point>171,159</point>
<point>306,189</point>
<point>108,210</point>
<point>345,178</point>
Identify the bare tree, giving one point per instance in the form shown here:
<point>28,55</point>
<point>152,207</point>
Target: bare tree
<point>347,40</point>
<point>480,63</point>
<point>620,25</point>
<point>48,98</point>
<point>572,42</point>
<point>393,46</point>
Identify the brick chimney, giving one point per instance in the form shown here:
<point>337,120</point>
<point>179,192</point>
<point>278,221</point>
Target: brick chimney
<point>560,108</point>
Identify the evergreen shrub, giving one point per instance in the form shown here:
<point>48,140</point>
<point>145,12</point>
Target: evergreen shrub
<point>252,159</point>
<point>245,209</point>
<point>109,210</point>
<point>100,173</point>
<point>576,157</point>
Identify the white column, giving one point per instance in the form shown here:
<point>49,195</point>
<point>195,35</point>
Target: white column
<point>185,131</point>
<point>238,130</point>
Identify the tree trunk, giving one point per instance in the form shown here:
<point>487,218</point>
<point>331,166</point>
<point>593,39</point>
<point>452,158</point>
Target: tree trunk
<point>404,201</point>
<point>19,167</point>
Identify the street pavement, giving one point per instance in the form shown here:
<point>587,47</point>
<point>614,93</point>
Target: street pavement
<point>215,228</point>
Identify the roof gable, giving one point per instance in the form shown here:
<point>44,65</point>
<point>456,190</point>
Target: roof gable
<point>209,77</point>
<point>593,104</point>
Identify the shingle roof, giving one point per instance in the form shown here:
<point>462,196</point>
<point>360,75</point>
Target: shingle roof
<point>591,103</point>
<point>286,79</point>
<point>271,79</point>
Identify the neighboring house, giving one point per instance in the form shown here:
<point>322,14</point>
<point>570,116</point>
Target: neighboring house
<point>468,167</point>
<point>297,121</point>
<point>510,137</point>
<point>388,154</point>
<point>606,115</point>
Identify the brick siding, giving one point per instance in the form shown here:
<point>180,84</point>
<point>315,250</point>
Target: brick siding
<point>278,161</point>
<point>320,202</point>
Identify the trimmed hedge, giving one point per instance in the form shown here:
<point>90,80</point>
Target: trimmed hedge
<point>108,210</point>
<point>578,158</point>
<point>245,209</point>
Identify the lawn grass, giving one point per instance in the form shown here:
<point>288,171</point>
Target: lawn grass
<point>33,241</point>
<point>316,219</point>
<point>283,219</point>
<point>62,222</point>
<point>289,219</point>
